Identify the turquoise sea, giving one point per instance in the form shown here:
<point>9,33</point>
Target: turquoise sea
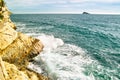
<point>76,46</point>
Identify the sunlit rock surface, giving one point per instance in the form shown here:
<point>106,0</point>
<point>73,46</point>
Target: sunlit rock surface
<point>16,50</point>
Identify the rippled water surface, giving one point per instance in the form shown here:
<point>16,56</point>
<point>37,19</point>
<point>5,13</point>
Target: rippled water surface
<point>77,47</point>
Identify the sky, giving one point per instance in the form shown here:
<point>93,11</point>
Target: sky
<point>64,6</point>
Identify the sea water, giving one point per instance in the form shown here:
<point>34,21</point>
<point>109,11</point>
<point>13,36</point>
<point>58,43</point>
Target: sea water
<point>76,47</point>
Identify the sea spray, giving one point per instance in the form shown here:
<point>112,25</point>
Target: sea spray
<point>62,61</point>
<point>50,42</point>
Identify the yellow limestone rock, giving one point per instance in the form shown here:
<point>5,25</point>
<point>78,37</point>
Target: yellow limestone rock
<point>11,72</point>
<point>16,49</point>
<point>22,50</point>
<point>5,15</point>
<point>7,32</point>
<point>2,70</point>
<point>15,74</point>
<point>7,36</point>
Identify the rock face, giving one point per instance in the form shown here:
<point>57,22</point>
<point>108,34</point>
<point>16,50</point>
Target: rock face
<point>16,49</point>
<point>21,50</point>
<point>11,72</point>
<point>7,34</point>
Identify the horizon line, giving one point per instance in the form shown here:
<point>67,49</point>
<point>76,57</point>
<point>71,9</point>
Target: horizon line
<point>71,13</point>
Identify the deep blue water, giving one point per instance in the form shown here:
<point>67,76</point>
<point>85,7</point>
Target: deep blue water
<point>97,35</point>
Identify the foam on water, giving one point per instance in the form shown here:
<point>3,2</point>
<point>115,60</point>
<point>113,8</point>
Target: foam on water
<point>50,42</point>
<point>98,34</point>
<point>20,26</point>
<point>25,28</point>
<point>63,61</point>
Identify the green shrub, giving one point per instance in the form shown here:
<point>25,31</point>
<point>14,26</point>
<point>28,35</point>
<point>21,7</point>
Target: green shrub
<point>1,17</point>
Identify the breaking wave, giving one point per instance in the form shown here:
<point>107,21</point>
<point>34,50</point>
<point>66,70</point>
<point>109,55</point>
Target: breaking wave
<point>61,61</point>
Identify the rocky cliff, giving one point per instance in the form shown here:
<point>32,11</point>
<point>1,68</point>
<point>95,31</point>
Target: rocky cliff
<point>16,50</point>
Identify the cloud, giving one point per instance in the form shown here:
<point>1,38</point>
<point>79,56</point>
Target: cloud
<point>38,2</point>
<point>33,2</point>
<point>75,6</point>
<point>107,1</point>
<point>27,3</point>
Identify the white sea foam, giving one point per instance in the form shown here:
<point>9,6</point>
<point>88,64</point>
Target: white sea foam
<point>22,27</point>
<point>35,68</point>
<point>67,64</point>
<point>63,61</point>
<point>50,42</point>
<point>20,24</point>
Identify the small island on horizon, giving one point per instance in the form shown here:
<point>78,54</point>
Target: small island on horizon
<point>85,13</point>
